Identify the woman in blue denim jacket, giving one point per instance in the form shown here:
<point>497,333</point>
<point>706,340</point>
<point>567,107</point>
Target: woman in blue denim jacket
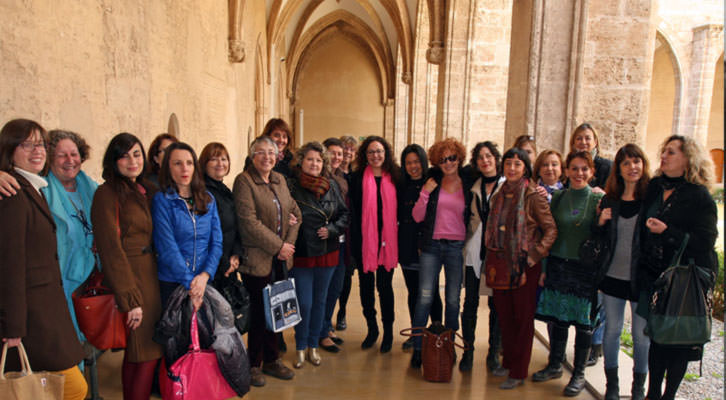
<point>187,232</point>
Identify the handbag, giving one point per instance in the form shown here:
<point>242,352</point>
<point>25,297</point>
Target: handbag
<point>681,304</point>
<point>282,310</point>
<point>498,274</point>
<point>592,253</point>
<point>27,384</point>
<point>239,300</point>
<point>437,350</point>
<point>195,375</point>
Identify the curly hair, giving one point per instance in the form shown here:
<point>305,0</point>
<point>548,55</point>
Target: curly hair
<point>583,127</point>
<point>56,135</point>
<point>615,185</point>
<point>700,167</point>
<point>437,150</point>
<point>312,146</point>
<point>389,164</point>
<point>541,160</point>
<point>492,149</point>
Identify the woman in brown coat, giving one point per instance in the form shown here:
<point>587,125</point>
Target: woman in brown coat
<point>32,304</point>
<point>122,226</point>
<point>267,216</point>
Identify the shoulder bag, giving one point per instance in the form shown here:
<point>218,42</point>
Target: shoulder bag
<point>279,299</point>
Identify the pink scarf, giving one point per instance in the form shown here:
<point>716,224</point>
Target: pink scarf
<point>388,254</point>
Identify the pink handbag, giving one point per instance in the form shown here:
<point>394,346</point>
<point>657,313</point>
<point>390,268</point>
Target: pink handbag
<point>195,375</point>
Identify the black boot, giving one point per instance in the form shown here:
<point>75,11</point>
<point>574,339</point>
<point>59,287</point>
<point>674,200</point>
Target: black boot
<point>577,382</point>
<point>372,335</point>
<point>281,346</point>
<point>416,359</point>
<point>553,370</point>
<point>495,339</point>
<point>467,361</point>
<point>387,341</point>
<point>612,388</point>
<point>468,326</point>
<point>595,353</point>
<point>638,390</point>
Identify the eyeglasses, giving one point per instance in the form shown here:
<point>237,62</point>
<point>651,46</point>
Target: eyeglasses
<point>264,153</point>
<point>30,146</point>
<point>374,152</point>
<point>81,216</point>
<point>451,158</point>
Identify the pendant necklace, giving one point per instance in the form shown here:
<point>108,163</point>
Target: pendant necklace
<point>575,211</point>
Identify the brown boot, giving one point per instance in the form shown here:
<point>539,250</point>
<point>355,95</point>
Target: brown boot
<point>278,370</point>
<point>256,377</point>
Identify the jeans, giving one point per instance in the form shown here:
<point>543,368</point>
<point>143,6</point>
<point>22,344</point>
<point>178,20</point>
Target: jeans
<point>599,332</point>
<point>410,276</point>
<point>336,286</point>
<point>615,310</point>
<point>448,253</point>
<point>311,285</point>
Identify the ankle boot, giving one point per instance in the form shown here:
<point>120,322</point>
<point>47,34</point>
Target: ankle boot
<point>553,370</point>
<point>416,359</point>
<point>467,361</point>
<point>612,388</point>
<point>372,335</point>
<point>577,382</point>
<point>387,341</point>
<point>638,390</point>
<point>595,353</point>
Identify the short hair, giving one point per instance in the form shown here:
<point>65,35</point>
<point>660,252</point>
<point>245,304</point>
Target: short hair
<point>275,124</point>
<point>262,140</point>
<point>313,146</point>
<point>436,151</point>
<point>198,188</point>
<point>582,127</point>
<point>421,153</point>
<point>516,152</point>
<point>14,133</point>
<point>154,150</point>
<point>493,148</point>
<point>389,164</point>
<point>541,159</point>
<point>700,168</point>
<point>211,150</point>
<point>349,140</point>
<point>332,142</point>
<point>56,135</point>
<point>583,155</point>
<point>615,185</point>
<point>524,140</point>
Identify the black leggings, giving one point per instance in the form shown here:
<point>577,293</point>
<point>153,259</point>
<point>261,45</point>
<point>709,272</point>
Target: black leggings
<point>660,366</point>
<point>369,282</point>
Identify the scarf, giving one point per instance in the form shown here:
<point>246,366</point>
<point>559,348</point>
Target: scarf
<point>515,227</point>
<point>387,255</point>
<point>668,183</point>
<point>319,185</point>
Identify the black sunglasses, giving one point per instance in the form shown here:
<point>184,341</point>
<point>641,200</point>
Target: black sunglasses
<point>451,158</point>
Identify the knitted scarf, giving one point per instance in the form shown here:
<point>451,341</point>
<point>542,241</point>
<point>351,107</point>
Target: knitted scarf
<point>316,184</point>
<point>515,227</point>
<point>387,255</point>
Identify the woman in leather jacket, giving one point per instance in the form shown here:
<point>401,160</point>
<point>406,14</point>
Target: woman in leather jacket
<point>324,219</point>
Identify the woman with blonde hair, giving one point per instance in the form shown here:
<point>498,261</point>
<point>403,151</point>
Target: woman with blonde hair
<point>585,138</point>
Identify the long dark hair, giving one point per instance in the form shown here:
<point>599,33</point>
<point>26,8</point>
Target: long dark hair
<point>516,152</point>
<point>421,153</point>
<point>389,164</point>
<point>117,147</point>
<point>154,150</point>
<point>199,190</point>
<point>492,149</point>
<point>615,185</point>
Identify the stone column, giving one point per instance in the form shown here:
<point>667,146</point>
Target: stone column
<point>706,48</point>
<point>389,120</point>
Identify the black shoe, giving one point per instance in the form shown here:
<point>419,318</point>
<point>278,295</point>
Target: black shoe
<point>387,341</point>
<point>638,390</point>
<point>336,340</point>
<point>416,359</point>
<point>408,344</point>
<point>281,345</point>
<point>548,373</point>
<point>493,362</point>
<point>331,348</point>
<point>577,382</point>
<point>370,339</point>
<point>595,353</point>
<point>467,361</point>
<point>340,325</point>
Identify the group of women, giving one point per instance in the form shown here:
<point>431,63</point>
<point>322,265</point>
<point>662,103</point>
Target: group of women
<point>326,209</point>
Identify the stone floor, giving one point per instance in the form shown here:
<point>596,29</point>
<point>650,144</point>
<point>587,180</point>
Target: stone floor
<point>367,374</point>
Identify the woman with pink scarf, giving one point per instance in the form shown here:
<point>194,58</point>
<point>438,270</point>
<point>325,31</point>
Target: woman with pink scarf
<point>374,233</point>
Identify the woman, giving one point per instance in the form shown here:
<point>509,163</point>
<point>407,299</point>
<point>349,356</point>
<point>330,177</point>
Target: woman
<point>156,155</point>
<point>548,173</point>
<point>279,131</point>
<point>187,232</point>
<point>585,138</point>
<point>264,214</point>
<point>528,144</point>
<point>415,169</point>
<point>123,230</point>
<point>215,162</point>
<point>569,294</point>
<point>618,220</point>
<point>329,340</point>
<point>374,234</point>
<point>350,146</point>
<point>677,202</point>
<point>521,229</point>
<point>441,208</point>
<point>324,219</point>
<point>486,159</point>
<point>32,305</point>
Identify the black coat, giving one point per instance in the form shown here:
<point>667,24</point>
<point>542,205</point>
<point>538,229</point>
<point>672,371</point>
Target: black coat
<point>409,231</point>
<point>602,171</point>
<point>427,226</point>
<point>231,239</point>
<point>329,211</point>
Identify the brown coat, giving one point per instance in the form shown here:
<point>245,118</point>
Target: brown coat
<point>541,227</point>
<point>128,263</point>
<point>32,304</point>
<point>257,217</point>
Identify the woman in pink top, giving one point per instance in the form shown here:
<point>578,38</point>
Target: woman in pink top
<point>442,208</point>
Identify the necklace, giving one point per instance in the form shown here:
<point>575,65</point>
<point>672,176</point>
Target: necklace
<point>575,211</point>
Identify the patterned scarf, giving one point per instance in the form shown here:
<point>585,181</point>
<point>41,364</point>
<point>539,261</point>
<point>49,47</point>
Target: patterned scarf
<point>515,227</point>
<point>316,184</point>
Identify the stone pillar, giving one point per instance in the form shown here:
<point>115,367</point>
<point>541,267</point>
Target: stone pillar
<point>389,120</point>
<point>706,48</point>
<point>401,107</point>
<point>424,86</point>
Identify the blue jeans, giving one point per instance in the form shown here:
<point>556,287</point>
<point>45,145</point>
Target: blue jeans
<point>336,286</point>
<point>615,309</point>
<point>448,253</point>
<point>311,285</point>
<point>597,334</point>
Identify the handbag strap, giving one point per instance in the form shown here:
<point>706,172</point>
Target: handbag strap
<point>677,256</point>
<point>411,332</point>
<point>284,271</point>
<point>24,362</point>
<point>194,333</point>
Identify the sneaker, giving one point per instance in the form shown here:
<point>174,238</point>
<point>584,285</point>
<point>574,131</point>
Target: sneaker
<point>511,383</point>
<point>256,377</point>
<point>501,371</point>
<point>278,370</point>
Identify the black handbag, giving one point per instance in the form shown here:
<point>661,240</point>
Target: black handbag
<point>592,253</point>
<point>238,297</point>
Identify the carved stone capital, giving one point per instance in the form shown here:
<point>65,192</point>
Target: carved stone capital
<point>406,77</point>
<point>435,53</point>
<point>236,51</point>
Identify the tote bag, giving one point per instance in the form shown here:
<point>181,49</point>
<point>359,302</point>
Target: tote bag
<point>282,310</point>
<point>27,384</point>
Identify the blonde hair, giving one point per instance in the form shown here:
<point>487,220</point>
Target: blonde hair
<point>581,128</point>
<point>700,167</point>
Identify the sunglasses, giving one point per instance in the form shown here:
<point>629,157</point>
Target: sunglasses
<point>451,158</point>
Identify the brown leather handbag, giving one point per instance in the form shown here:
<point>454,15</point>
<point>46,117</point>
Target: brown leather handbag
<point>437,350</point>
<point>498,273</point>
<point>98,315</point>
